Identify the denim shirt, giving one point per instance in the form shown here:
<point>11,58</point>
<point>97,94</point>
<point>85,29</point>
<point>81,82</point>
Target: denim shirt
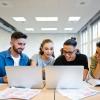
<point>7,60</point>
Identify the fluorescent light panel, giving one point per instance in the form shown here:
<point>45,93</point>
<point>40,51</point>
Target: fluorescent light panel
<point>46,29</point>
<point>46,18</point>
<point>19,18</point>
<point>29,29</point>
<point>68,29</point>
<point>73,18</point>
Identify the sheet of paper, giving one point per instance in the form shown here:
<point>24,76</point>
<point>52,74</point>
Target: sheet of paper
<point>20,93</point>
<point>77,94</point>
<point>94,82</point>
<point>86,85</point>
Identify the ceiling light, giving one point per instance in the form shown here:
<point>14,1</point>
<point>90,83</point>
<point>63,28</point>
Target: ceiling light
<point>29,29</point>
<point>73,18</point>
<point>19,18</point>
<point>82,3</point>
<point>46,29</point>
<point>46,18</point>
<point>68,29</point>
<point>4,4</point>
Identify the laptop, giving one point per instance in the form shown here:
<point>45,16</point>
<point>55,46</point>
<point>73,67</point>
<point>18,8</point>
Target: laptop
<point>24,77</point>
<point>64,77</point>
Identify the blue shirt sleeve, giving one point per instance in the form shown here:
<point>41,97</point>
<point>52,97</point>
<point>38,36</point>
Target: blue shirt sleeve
<point>1,79</point>
<point>2,69</point>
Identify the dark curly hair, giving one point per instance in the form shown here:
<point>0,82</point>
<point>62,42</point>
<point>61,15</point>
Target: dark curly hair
<point>71,41</point>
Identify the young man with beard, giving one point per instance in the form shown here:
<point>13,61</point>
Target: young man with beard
<point>13,56</point>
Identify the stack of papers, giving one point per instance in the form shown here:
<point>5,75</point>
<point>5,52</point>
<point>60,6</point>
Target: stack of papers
<point>94,82</point>
<point>18,93</point>
<point>77,94</point>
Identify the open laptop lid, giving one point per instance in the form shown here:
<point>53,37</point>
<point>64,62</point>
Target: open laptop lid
<point>64,76</point>
<point>24,76</point>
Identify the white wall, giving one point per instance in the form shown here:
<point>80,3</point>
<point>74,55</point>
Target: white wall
<point>4,40</point>
<point>34,41</point>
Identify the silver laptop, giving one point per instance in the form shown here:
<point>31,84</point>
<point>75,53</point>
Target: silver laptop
<point>64,76</point>
<point>24,76</point>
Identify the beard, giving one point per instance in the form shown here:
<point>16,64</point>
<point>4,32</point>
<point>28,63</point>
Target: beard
<point>17,50</point>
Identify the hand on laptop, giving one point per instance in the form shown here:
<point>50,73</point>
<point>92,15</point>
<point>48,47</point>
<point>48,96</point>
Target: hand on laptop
<point>5,79</point>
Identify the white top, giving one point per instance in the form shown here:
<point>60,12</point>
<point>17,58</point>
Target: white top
<point>16,60</point>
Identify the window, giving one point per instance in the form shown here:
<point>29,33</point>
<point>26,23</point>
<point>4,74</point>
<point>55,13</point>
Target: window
<point>94,28</point>
<point>96,35</point>
<point>89,38</point>
<point>99,28</point>
<point>84,40</point>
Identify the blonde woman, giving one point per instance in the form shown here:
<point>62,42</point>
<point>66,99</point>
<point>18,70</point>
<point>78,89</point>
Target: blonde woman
<point>45,56</point>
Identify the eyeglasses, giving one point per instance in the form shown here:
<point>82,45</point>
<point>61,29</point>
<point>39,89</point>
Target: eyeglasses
<point>69,52</point>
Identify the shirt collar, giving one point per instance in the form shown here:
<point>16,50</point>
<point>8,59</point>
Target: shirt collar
<point>8,54</point>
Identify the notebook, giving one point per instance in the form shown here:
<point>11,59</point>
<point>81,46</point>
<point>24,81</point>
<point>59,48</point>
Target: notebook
<point>24,77</point>
<point>64,76</point>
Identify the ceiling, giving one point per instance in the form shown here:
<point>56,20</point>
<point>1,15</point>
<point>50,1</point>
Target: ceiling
<point>62,9</point>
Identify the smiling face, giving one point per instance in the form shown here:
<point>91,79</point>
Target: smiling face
<point>69,52</point>
<point>48,49</point>
<point>18,45</point>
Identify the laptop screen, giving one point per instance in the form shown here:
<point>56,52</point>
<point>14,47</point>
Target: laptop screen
<point>64,76</point>
<point>24,76</point>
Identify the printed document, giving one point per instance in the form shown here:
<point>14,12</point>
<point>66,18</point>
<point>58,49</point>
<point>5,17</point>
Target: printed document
<point>19,93</point>
<point>77,94</point>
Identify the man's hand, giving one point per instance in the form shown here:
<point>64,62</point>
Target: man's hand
<point>5,79</point>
